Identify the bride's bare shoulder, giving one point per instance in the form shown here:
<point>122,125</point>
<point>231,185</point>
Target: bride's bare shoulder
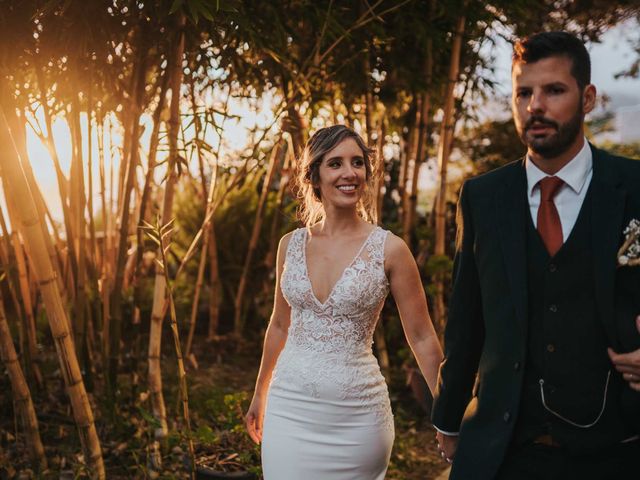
<point>285,239</point>
<point>396,251</point>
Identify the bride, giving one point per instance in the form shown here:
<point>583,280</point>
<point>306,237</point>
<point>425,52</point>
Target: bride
<point>321,406</point>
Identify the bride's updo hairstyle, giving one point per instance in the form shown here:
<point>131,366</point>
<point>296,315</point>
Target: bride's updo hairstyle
<point>307,190</point>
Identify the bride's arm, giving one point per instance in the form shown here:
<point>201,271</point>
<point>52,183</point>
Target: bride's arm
<point>274,341</point>
<point>407,291</point>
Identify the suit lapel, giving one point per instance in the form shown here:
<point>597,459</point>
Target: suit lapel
<point>608,199</point>
<point>511,211</point>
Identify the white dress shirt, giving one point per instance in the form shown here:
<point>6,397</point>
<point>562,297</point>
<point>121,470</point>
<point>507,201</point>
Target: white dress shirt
<point>577,176</point>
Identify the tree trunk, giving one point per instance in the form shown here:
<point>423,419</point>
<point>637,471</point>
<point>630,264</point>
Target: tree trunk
<point>21,394</point>
<point>444,150</point>
<point>27,215</point>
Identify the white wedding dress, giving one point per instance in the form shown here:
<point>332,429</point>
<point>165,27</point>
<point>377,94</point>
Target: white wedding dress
<point>328,415</point>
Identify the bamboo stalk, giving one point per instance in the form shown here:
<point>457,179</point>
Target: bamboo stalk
<point>63,183</point>
<point>77,203</point>
<point>105,263</point>
<point>142,215</point>
<point>205,243</point>
<point>380,178</point>
<point>27,215</point>
<point>406,153</point>
<point>18,127</point>
<point>412,197</point>
<point>21,393</point>
<point>5,263</point>
<point>161,235</point>
<point>25,291</point>
<point>425,113</point>
<point>159,292</point>
<point>196,297</point>
<point>214,283</point>
<point>115,301</point>
<point>411,166</point>
<point>93,269</point>
<point>285,175</point>
<point>238,324</point>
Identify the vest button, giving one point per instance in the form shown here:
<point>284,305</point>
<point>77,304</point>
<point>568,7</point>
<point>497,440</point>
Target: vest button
<point>551,348</point>
<point>506,417</point>
<point>553,307</point>
<point>553,267</point>
<point>516,366</point>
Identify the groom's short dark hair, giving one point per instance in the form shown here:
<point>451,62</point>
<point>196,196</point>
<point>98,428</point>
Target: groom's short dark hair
<point>555,44</point>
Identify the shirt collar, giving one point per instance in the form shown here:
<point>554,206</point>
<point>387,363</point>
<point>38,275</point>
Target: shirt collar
<point>574,173</point>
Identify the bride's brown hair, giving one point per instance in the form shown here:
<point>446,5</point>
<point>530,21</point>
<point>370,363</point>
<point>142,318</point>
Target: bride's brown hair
<point>324,140</point>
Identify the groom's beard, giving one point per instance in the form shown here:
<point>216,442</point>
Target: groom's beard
<point>557,143</point>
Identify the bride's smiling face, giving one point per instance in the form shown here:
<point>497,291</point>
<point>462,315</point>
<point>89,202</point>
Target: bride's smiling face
<point>343,175</point>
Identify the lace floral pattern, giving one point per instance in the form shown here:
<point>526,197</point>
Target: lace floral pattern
<point>328,350</point>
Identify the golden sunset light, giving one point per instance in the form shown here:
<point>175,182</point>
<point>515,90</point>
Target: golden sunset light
<point>319,240</point>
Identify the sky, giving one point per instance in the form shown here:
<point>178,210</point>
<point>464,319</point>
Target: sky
<point>613,54</point>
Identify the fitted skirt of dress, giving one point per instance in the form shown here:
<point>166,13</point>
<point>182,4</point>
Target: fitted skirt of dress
<point>324,436</point>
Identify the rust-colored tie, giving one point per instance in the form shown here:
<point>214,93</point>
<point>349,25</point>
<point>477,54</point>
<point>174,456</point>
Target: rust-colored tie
<point>549,226</point>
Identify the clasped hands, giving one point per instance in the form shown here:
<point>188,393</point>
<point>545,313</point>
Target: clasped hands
<point>447,445</point>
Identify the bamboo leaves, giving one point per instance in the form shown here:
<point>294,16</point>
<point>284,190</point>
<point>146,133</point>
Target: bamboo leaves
<point>160,235</point>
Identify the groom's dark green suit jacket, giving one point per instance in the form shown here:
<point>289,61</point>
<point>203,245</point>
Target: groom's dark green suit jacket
<point>480,384</point>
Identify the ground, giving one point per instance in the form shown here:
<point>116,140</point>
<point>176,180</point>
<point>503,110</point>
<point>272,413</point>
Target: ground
<point>219,391</point>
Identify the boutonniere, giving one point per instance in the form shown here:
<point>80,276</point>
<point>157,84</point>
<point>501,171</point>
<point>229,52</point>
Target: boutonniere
<point>629,253</point>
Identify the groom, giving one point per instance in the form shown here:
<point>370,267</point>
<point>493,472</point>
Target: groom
<point>536,383</point>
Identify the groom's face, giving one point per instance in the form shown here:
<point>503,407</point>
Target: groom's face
<point>549,106</point>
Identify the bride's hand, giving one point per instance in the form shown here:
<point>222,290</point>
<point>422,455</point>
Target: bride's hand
<point>254,418</point>
<point>447,444</point>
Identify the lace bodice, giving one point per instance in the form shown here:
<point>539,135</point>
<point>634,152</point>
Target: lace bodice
<point>347,319</point>
<point>328,352</point>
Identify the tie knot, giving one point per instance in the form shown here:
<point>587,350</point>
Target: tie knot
<point>549,187</point>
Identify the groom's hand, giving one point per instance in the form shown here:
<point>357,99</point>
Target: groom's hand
<point>628,363</point>
<point>447,444</point>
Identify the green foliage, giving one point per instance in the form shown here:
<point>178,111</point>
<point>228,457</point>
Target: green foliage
<point>491,145</point>
<point>227,431</point>
<point>148,417</point>
<point>438,265</point>
<point>631,150</point>
<point>233,221</point>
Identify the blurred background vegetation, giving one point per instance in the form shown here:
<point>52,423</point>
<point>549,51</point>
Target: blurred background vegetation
<point>120,114</point>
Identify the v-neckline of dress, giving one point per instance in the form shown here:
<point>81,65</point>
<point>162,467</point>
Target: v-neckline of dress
<point>349,265</point>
